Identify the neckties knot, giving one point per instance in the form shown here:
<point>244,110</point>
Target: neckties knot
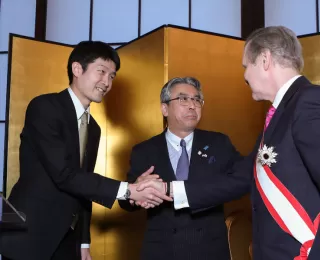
<point>183,163</point>
<point>183,143</point>
<point>84,118</point>
<point>270,114</point>
<point>271,111</point>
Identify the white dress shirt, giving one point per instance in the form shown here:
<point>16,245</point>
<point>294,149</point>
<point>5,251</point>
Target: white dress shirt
<point>283,90</point>
<point>79,111</point>
<point>175,150</point>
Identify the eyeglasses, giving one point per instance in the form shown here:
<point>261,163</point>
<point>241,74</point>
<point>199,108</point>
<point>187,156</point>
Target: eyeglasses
<point>185,101</point>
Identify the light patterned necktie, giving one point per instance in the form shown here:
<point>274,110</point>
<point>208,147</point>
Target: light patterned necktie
<point>83,135</point>
<point>182,171</point>
<point>270,114</point>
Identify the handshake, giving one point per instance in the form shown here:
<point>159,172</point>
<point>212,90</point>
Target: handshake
<point>149,190</point>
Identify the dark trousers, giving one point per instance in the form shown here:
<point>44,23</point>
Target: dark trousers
<point>69,247</point>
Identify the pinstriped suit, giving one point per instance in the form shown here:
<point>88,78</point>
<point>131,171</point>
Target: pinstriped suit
<point>179,234</point>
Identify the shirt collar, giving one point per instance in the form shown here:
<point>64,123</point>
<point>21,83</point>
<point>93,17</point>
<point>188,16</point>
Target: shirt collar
<point>175,140</point>
<point>282,91</point>
<point>78,106</point>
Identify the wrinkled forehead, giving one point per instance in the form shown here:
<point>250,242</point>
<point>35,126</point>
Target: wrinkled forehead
<point>184,89</point>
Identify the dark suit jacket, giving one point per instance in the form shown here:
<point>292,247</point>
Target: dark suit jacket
<point>180,234</point>
<point>294,131</point>
<point>52,188</point>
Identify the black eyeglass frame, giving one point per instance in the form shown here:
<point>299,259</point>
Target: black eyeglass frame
<point>193,99</point>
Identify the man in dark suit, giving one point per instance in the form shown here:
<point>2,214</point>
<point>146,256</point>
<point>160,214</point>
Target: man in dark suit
<point>283,171</point>
<point>58,151</point>
<point>183,152</point>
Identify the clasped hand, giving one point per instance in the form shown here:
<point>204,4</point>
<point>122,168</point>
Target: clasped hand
<point>148,190</point>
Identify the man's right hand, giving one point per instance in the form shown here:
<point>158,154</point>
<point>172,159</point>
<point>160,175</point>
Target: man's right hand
<point>147,175</point>
<point>149,196</point>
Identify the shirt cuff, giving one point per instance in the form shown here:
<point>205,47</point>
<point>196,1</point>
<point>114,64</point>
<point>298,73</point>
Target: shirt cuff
<point>122,190</point>
<point>85,245</point>
<point>180,199</point>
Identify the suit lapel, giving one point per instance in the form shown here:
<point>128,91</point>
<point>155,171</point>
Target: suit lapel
<point>92,143</point>
<point>163,158</point>
<point>297,84</point>
<point>71,119</point>
<point>197,145</point>
<point>72,122</point>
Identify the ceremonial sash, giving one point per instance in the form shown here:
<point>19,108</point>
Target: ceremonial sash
<point>286,209</point>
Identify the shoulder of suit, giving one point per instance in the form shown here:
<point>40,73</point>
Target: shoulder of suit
<point>44,100</point>
<point>153,141</point>
<point>309,92</point>
<point>210,134</point>
<point>46,96</point>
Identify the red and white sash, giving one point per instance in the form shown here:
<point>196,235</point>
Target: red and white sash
<point>286,209</point>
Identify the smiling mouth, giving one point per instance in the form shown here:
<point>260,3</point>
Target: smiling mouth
<point>101,90</point>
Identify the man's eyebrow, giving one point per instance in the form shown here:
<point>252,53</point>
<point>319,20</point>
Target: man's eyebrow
<point>104,66</point>
<point>186,95</point>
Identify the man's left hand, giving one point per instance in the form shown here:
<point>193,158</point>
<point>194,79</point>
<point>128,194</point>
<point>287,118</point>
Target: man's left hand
<point>85,254</point>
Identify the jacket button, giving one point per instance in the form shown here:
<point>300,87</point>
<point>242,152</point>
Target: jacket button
<point>174,230</point>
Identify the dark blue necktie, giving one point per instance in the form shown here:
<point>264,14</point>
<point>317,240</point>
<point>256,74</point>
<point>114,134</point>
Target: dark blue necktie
<point>183,163</point>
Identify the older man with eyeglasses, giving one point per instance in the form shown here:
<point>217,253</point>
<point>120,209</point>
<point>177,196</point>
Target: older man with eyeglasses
<point>182,152</point>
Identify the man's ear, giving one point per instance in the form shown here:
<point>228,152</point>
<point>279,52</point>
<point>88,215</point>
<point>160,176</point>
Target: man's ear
<point>266,59</point>
<point>164,109</point>
<point>77,69</point>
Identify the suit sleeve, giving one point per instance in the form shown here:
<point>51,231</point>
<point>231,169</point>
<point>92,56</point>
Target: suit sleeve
<point>42,131</point>
<point>138,165</point>
<point>306,131</point>
<point>86,204</point>
<point>306,134</point>
<point>234,182</point>
<point>85,221</point>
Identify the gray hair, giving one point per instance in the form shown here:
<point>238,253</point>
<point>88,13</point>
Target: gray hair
<point>166,90</point>
<point>282,43</point>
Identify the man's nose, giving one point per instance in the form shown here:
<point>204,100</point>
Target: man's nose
<point>191,104</point>
<point>105,80</point>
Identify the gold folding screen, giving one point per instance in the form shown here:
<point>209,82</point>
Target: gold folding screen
<point>311,54</point>
<point>131,111</point>
<point>36,68</point>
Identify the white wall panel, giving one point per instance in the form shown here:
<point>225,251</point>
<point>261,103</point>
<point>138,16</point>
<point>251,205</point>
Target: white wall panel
<point>68,21</point>
<point>3,84</point>
<point>155,13</point>
<point>16,16</point>
<point>115,20</point>
<point>218,16</point>
<point>2,130</point>
<point>298,15</point>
